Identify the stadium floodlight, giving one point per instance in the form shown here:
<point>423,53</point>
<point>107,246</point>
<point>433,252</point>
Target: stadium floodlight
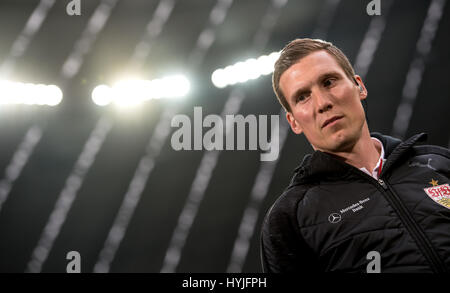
<point>101,95</point>
<point>245,70</point>
<point>29,94</point>
<point>131,92</point>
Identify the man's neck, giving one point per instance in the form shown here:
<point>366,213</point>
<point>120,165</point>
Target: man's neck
<point>364,154</point>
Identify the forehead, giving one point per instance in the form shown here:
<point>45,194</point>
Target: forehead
<point>307,70</point>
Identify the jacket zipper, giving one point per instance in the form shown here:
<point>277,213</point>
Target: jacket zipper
<point>414,229</point>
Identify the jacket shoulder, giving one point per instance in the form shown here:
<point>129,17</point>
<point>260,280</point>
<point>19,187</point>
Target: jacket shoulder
<point>434,157</point>
<point>286,203</point>
<point>284,209</point>
<point>282,246</point>
<point>431,149</point>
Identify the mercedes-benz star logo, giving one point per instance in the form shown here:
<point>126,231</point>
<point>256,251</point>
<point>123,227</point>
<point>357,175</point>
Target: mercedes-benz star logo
<point>334,218</point>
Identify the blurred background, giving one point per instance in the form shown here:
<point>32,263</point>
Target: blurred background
<point>79,174</point>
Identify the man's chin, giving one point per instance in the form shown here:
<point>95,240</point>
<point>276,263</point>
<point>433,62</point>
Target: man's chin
<point>340,142</point>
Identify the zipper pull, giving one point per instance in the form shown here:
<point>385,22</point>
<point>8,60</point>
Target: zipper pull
<point>382,184</point>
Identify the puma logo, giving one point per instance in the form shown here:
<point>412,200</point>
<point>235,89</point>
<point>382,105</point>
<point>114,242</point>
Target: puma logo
<point>418,164</point>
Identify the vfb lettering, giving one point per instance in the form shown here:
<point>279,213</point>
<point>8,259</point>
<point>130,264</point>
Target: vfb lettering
<point>438,191</point>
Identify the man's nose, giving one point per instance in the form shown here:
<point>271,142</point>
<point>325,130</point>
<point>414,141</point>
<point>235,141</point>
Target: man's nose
<point>323,102</point>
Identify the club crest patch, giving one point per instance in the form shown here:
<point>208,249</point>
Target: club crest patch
<point>439,193</point>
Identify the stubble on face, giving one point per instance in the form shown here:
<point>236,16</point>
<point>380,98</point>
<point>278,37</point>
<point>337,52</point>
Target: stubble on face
<point>342,97</point>
<point>345,143</point>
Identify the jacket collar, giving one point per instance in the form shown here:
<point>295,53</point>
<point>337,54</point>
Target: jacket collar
<point>320,165</point>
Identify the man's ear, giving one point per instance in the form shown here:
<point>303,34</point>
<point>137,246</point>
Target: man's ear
<point>362,88</point>
<point>293,123</point>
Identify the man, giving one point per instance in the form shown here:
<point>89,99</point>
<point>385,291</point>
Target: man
<point>361,202</point>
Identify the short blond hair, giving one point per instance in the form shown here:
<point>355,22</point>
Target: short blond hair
<point>298,49</point>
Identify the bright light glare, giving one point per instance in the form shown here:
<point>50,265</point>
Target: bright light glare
<point>101,95</point>
<point>244,71</point>
<point>132,92</point>
<point>55,95</point>
<point>29,93</point>
<point>176,86</point>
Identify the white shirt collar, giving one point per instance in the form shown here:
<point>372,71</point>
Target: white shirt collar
<point>380,162</point>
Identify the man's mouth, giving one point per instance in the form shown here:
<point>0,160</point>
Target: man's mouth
<point>331,120</point>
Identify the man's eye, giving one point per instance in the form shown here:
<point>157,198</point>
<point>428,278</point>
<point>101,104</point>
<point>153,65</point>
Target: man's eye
<point>328,82</point>
<point>300,98</point>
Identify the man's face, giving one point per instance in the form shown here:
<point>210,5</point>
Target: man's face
<point>325,103</point>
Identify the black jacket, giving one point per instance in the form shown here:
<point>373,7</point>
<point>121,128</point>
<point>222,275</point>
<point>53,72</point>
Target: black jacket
<point>333,214</point>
